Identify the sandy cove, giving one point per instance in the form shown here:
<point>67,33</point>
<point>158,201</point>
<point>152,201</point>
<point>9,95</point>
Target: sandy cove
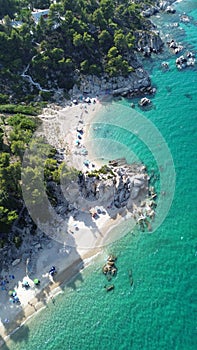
<point>60,125</point>
<point>84,237</point>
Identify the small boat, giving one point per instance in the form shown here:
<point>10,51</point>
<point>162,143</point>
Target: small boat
<point>108,288</point>
<point>130,277</point>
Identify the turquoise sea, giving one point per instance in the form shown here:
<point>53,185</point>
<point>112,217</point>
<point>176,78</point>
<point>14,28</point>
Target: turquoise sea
<point>159,310</point>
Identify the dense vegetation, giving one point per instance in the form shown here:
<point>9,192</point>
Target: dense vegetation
<point>41,167</point>
<point>15,133</point>
<point>87,36</point>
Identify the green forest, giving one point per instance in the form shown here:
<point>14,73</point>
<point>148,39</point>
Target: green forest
<point>16,131</point>
<point>86,36</point>
<point>77,37</point>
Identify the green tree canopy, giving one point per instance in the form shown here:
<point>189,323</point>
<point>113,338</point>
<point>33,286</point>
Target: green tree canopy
<point>1,138</point>
<point>8,7</point>
<point>105,40</point>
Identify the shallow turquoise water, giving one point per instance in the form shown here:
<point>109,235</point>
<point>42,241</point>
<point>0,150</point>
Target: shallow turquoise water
<point>159,310</point>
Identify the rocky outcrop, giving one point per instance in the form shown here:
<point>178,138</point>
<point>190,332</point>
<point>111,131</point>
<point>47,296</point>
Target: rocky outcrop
<point>120,186</point>
<point>110,268</point>
<point>137,82</point>
<point>150,11</point>
<point>174,46</point>
<point>144,102</point>
<point>117,187</point>
<point>185,60</point>
<point>122,183</point>
<point>165,66</point>
<point>184,18</point>
<point>158,6</point>
<point>148,42</point>
<point>170,9</point>
<point>164,5</point>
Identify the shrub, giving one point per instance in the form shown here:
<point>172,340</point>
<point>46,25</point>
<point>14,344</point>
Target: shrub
<point>11,108</point>
<point>17,241</point>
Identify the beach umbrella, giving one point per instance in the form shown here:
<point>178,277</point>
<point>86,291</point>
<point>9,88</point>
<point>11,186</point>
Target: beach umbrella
<point>25,284</point>
<point>87,100</point>
<point>36,281</point>
<point>11,292</point>
<point>52,270</point>
<point>86,163</point>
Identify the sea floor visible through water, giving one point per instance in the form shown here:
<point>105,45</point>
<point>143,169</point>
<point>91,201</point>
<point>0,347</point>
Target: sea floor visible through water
<point>159,310</point>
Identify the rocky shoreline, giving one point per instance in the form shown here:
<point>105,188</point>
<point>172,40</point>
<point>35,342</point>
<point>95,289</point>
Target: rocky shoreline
<point>138,82</point>
<point>164,6</point>
<point>119,180</point>
<point>115,187</point>
<point>107,194</point>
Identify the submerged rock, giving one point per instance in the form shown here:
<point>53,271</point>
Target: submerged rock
<point>109,268</point>
<point>185,60</point>
<point>165,65</point>
<point>184,18</point>
<point>144,102</point>
<point>170,9</point>
<point>174,46</point>
<point>108,288</point>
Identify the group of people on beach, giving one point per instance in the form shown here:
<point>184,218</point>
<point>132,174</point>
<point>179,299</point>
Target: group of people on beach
<point>13,297</point>
<point>5,280</point>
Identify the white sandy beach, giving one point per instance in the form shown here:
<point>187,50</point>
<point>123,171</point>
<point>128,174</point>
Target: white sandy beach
<point>60,125</point>
<point>85,236</point>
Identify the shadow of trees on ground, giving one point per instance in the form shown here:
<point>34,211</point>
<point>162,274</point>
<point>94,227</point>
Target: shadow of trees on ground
<point>73,266</point>
<point>21,334</point>
<point>4,347</point>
